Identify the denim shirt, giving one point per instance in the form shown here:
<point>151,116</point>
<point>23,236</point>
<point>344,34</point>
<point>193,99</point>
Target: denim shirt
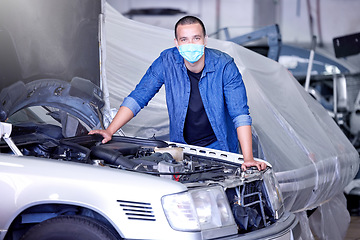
<point>221,88</point>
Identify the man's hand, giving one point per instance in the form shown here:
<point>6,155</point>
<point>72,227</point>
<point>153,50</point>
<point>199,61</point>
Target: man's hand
<point>253,163</point>
<point>121,118</point>
<point>106,135</point>
<point>245,139</point>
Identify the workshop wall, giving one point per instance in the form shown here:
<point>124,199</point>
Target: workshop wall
<point>331,18</point>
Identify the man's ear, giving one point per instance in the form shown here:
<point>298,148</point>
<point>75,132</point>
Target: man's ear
<point>205,40</point>
<point>176,43</point>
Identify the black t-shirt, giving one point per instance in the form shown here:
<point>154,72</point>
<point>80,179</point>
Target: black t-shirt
<point>197,129</point>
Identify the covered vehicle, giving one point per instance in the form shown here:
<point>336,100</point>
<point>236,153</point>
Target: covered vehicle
<point>332,82</point>
<point>312,159</point>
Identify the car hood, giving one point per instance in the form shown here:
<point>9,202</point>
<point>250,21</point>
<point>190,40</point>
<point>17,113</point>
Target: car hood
<point>80,98</point>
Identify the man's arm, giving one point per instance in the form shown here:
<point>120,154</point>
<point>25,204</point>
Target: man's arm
<point>123,115</point>
<point>245,139</point>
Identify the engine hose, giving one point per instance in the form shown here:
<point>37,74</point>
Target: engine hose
<point>114,157</point>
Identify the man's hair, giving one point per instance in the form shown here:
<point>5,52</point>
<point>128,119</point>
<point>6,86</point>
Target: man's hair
<point>189,20</point>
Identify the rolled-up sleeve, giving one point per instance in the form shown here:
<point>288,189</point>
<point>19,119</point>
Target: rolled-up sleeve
<point>242,120</point>
<point>130,103</point>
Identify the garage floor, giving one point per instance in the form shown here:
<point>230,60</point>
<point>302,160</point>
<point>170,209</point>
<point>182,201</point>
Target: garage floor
<point>353,205</point>
<point>353,232</point>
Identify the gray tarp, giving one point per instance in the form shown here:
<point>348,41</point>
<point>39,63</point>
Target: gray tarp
<point>313,159</point>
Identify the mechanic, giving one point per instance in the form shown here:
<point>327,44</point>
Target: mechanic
<point>205,95</point>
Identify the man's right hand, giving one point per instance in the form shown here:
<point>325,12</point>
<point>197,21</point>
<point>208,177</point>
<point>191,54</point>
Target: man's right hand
<point>121,118</point>
<point>106,135</point>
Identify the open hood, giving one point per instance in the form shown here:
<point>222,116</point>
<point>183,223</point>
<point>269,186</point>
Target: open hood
<point>80,98</point>
<point>50,57</point>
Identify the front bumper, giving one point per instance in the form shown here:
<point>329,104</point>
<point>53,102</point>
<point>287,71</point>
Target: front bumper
<point>286,228</point>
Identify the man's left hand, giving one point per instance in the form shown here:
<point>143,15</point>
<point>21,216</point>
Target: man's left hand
<point>253,163</point>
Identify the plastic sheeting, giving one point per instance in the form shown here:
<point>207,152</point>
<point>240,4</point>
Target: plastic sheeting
<point>312,157</point>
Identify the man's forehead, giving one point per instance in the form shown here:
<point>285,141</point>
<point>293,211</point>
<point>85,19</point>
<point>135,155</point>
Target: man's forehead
<point>195,29</point>
<point>194,25</point>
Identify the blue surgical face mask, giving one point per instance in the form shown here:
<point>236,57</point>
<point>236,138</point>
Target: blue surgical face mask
<point>191,52</point>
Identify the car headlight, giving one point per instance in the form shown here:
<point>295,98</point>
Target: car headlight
<point>274,195</point>
<point>198,209</point>
<point>180,212</point>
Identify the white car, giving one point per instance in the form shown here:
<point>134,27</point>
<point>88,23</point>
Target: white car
<point>57,182</point>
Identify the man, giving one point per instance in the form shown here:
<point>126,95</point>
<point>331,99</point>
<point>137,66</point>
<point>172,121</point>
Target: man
<point>205,95</point>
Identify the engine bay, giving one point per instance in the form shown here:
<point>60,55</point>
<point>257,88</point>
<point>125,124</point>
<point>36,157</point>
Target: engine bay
<point>246,191</point>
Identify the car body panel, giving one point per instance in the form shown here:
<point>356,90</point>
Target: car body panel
<point>28,181</point>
